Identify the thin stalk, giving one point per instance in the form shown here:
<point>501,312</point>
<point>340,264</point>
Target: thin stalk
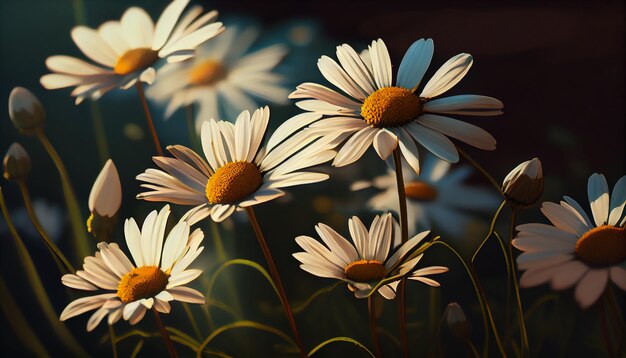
<point>276,278</point>
<point>100,133</point>
<point>492,227</point>
<point>520,310</point>
<point>472,348</point>
<point>482,170</point>
<point>73,209</point>
<point>37,286</point>
<point>482,300</point>
<point>372,313</point>
<point>112,337</point>
<point>56,252</point>
<point>221,255</point>
<point>605,330</point>
<point>404,230</point>
<point>164,334</point>
<point>146,110</point>
<point>192,320</point>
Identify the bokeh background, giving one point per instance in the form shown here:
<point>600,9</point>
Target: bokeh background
<point>557,66</point>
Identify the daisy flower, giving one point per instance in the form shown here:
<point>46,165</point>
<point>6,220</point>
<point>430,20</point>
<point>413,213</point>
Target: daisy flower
<point>435,198</point>
<point>156,278</point>
<point>374,111</point>
<point>223,72</point>
<point>369,260</point>
<point>237,172</point>
<point>577,251</point>
<point>128,49</point>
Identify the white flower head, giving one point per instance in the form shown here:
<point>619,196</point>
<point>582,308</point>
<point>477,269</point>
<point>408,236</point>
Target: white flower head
<point>574,250</point>
<point>238,171</point>
<point>106,194</point>
<point>128,49</point>
<point>375,111</point>
<point>224,73</point>
<point>156,277</point>
<point>368,259</point>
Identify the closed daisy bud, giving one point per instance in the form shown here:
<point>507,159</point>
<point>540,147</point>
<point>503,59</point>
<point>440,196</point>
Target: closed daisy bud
<point>17,163</point>
<point>26,112</point>
<point>105,200</point>
<point>523,186</point>
<point>457,321</point>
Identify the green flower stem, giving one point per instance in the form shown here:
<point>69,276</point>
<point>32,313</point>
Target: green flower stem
<point>404,229</point>
<point>276,278</point>
<point>492,228</point>
<point>374,332</point>
<point>472,348</point>
<point>66,266</point>
<point>520,310</point>
<point>38,289</point>
<point>482,300</point>
<point>164,334</point>
<point>76,219</point>
<point>112,337</point>
<point>481,170</point>
<point>146,110</point>
<point>18,322</point>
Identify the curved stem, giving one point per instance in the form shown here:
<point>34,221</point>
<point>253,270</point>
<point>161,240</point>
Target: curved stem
<point>112,337</point>
<point>276,278</point>
<point>520,310</point>
<point>372,313</point>
<point>146,110</point>
<point>482,300</point>
<point>482,170</point>
<point>76,219</point>
<point>492,227</point>
<point>164,334</point>
<point>66,266</point>
<point>472,348</point>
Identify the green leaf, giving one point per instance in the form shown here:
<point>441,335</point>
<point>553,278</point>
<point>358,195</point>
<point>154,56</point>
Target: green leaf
<point>299,308</point>
<point>339,339</point>
<point>242,262</point>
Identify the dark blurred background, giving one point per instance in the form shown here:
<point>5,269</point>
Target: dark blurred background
<point>557,66</point>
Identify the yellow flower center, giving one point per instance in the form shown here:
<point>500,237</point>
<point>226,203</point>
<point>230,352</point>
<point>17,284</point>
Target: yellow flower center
<point>135,59</point>
<point>420,191</point>
<point>391,107</point>
<point>233,182</point>
<point>206,73</point>
<point>365,271</point>
<point>142,282</point>
<point>602,246</point>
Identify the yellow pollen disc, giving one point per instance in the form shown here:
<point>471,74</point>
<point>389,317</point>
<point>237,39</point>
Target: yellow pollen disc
<point>233,182</point>
<point>365,271</point>
<point>142,282</point>
<point>135,59</point>
<point>602,246</point>
<point>206,73</point>
<point>89,221</point>
<point>391,107</point>
<point>420,191</point>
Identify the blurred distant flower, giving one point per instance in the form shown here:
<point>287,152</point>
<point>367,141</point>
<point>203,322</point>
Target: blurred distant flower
<point>575,251</point>
<point>386,116</point>
<point>26,112</point>
<point>523,186</point>
<point>129,49</point>
<point>436,199</point>
<point>239,172</point>
<point>223,73</point>
<point>368,261</point>
<point>457,321</point>
<point>105,200</point>
<point>17,163</point>
<point>50,215</point>
<point>147,285</point>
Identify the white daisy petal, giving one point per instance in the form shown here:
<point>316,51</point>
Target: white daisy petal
<point>166,22</point>
<point>84,304</point>
<point>598,191</point>
<point>591,287</point>
<point>354,66</point>
<point>460,130</point>
<point>381,63</point>
<point>338,77</point>
<point>564,219</point>
<point>138,28</point>
<point>384,143</point>
<point>93,46</point>
<point>354,148</point>
<point>408,149</point>
<point>468,104</point>
<point>448,75</point>
<point>568,274</point>
<point>574,204</point>
<point>618,201</point>
<point>186,294</point>
<point>435,142</point>
<point>415,63</point>
<point>96,318</point>
<point>618,276</point>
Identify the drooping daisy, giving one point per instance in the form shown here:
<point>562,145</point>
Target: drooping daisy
<point>577,251</point>
<point>436,199</point>
<point>367,261</point>
<point>237,172</point>
<point>376,111</point>
<point>154,280</point>
<point>223,73</point>
<point>128,49</point>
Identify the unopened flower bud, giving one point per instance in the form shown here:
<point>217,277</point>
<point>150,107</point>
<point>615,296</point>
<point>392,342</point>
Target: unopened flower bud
<point>26,112</point>
<point>457,321</point>
<point>523,186</point>
<point>105,200</point>
<point>17,163</point>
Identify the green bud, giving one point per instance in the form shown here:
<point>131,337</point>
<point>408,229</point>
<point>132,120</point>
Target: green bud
<point>17,163</point>
<point>26,112</point>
